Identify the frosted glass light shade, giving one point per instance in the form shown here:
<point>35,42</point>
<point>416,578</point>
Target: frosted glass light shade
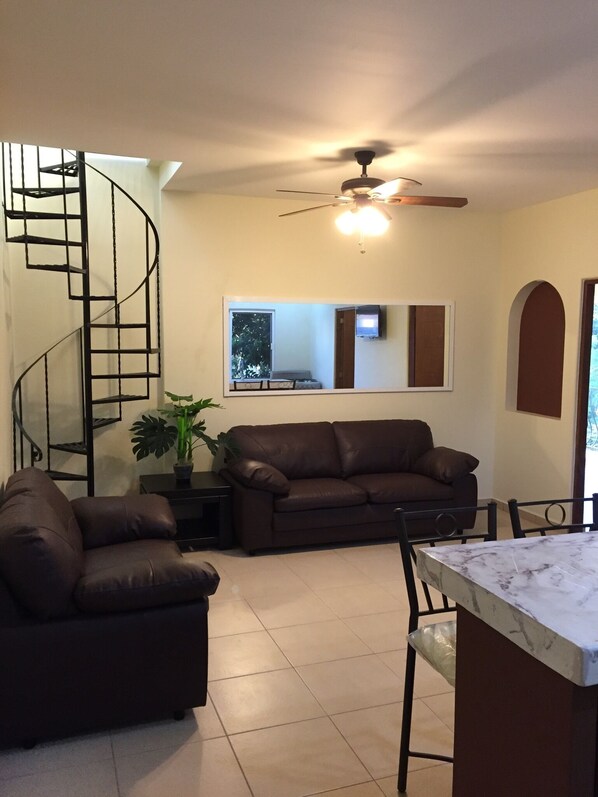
<point>369,221</point>
<point>347,222</point>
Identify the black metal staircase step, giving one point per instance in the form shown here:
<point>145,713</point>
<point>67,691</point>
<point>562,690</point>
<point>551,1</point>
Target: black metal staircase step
<point>118,399</point>
<point>78,447</point>
<point>63,476</point>
<point>138,375</point>
<point>39,214</point>
<point>118,326</point>
<point>37,192</point>
<point>70,168</point>
<point>124,351</point>
<point>93,298</point>
<point>99,423</point>
<point>62,267</point>
<point>41,239</point>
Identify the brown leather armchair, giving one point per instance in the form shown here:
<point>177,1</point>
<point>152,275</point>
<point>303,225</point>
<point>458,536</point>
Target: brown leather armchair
<point>102,621</point>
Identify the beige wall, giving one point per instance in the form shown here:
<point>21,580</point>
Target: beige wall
<point>557,242</point>
<point>217,246</point>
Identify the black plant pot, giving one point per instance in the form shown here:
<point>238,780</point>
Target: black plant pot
<point>183,471</point>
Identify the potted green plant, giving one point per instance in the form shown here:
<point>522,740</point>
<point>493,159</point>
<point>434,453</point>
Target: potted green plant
<point>179,428</point>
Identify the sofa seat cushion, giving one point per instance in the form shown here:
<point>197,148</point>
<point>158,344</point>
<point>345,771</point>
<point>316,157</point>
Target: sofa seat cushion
<point>319,494</point>
<point>386,488</point>
<point>141,575</point>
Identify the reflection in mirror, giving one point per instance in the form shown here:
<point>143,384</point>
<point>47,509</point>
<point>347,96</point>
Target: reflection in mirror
<point>311,346</point>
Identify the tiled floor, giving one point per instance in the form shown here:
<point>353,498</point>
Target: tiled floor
<point>306,682</point>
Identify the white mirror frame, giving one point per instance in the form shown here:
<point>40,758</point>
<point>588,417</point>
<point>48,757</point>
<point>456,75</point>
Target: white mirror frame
<point>267,303</point>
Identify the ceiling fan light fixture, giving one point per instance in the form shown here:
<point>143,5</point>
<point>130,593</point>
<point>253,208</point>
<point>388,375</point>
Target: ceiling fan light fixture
<point>372,221</point>
<point>347,222</point>
<point>367,220</point>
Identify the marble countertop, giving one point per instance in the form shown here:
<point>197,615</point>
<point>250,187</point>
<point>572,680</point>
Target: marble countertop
<point>542,593</point>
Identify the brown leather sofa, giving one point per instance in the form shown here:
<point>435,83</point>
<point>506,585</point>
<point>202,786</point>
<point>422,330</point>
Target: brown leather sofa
<point>306,483</point>
<point>102,621</point>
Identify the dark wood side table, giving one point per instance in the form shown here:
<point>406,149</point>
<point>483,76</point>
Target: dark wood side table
<point>201,506</point>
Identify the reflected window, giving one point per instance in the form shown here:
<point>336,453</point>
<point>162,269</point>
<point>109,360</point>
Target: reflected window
<point>251,343</point>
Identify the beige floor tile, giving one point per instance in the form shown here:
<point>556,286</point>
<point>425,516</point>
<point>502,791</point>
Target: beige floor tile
<point>76,752</point>
<point>326,641</point>
<point>232,617</point>
<point>193,770</point>
<point>328,571</point>
<point>382,632</point>
<point>369,789</point>
<point>243,654</point>
<point>239,564</point>
<point>227,590</point>
<point>199,724</point>
<point>444,707</point>
<point>297,759</point>
<point>96,779</point>
<point>427,680</point>
<point>259,701</point>
<point>359,599</point>
<point>396,587</point>
<point>261,575</point>
<point>286,609</point>
<point>431,782</point>
<point>374,735</point>
<point>378,563</point>
<point>349,684</point>
<point>271,581</point>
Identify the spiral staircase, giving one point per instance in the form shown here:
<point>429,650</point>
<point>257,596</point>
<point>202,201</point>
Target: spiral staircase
<point>79,384</point>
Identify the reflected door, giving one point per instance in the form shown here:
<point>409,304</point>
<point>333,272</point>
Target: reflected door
<point>426,345</point>
<point>344,348</point>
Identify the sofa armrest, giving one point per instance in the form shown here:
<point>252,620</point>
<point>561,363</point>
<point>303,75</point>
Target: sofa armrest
<point>445,464</point>
<point>115,519</point>
<point>259,476</point>
<point>145,584</point>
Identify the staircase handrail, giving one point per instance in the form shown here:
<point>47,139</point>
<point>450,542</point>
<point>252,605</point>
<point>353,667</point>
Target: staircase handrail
<point>37,451</point>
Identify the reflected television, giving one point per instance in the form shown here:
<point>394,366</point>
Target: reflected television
<point>368,321</point>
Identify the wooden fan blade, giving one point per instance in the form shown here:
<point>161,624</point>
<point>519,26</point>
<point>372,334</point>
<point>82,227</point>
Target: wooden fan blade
<point>393,187</point>
<point>436,201</point>
<point>313,193</point>
<point>316,207</point>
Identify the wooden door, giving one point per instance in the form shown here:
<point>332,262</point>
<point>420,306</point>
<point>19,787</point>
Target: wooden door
<point>344,348</point>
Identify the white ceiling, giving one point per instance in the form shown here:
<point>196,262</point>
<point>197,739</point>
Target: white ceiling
<point>495,100</point>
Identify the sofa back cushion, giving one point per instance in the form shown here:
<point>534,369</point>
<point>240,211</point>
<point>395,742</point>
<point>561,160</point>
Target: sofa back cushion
<point>380,446</point>
<point>298,450</point>
<point>41,551</point>
<point>35,481</point>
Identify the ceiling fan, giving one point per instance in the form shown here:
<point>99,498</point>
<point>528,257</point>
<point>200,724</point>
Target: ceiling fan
<point>366,193</point>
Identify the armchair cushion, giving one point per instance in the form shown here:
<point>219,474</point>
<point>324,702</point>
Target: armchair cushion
<point>259,475</point>
<point>141,575</point>
<point>445,464</point>
<point>41,558</point>
<point>111,520</point>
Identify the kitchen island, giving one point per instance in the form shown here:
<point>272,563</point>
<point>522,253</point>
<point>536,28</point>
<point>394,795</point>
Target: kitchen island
<point>526,702</point>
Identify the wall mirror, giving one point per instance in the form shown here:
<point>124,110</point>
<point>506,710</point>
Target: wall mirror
<point>324,347</point>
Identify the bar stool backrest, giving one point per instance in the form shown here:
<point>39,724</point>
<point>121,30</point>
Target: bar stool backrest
<point>555,512</point>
